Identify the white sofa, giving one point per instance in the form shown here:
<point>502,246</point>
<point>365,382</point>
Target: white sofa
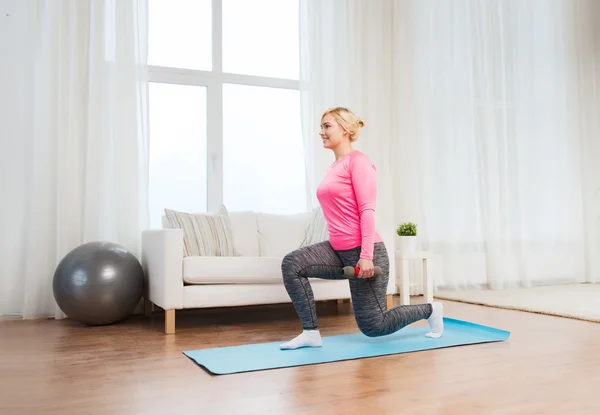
<point>175,281</point>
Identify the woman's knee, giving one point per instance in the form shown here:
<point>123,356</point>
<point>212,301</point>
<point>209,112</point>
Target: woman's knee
<point>289,259</point>
<point>371,328</point>
<point>290,265</point>
<point>371,331</point>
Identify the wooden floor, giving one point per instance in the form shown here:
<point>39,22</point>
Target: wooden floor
<point>550,365</point>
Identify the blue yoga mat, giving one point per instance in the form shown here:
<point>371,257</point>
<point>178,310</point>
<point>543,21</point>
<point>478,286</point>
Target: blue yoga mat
<point>262,356</point>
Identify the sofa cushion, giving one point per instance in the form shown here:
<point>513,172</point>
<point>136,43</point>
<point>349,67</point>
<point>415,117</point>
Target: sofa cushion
<point>231,295</point>
<point>204,234</point>
<point>235,270</point>
<point>245,233</point>
<point>232,270</point>
<point>281,234</point>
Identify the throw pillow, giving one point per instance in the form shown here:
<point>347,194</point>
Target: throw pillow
<point>204,234</point>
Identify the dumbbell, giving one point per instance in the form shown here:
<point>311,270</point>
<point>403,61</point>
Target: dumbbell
<point>353,271</point>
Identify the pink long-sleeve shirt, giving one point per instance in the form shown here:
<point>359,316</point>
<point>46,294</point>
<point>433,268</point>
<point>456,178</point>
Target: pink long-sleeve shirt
<point>347,196</point>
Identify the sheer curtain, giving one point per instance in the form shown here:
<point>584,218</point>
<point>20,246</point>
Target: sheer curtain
<point>346,50</point>
<point>502,194</point>
<point>485,127</point>
<point>584,105</point>
<point>74,145</point>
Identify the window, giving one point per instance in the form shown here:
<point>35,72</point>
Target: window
<point>225,106</point>
<point>178,149</point>
<point>179,34</point>
<point>261,37</point>
<point>260,169</point>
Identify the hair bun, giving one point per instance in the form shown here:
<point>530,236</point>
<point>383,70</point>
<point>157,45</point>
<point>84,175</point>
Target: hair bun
<point>347,120</point>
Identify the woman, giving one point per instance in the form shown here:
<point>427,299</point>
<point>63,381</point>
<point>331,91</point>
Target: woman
<point>347,196</point>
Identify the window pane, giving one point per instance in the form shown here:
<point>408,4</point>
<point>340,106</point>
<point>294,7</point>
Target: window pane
<point>178,165</point>
<point>260,37</point>
<point>180,33</point>
<point>263,162</point>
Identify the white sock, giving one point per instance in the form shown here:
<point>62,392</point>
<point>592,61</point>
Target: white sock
<point>308,338</point>
<point>436,321</point>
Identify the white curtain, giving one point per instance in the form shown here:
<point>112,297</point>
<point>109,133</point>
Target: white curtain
<point>584,108</point>
<point>485,115</point>
<point>345,60</point>
<point>498,113</point>
<point>74,139</point>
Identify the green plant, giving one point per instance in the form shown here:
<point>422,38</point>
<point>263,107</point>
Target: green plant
<point>407,229</point>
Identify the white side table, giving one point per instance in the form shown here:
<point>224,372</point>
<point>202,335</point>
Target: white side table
<point>403,270</point>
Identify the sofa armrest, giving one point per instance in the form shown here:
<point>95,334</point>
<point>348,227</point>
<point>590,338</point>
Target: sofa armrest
<point>162,261</point>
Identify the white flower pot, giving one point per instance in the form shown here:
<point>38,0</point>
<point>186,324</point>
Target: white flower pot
<point>407,243</point>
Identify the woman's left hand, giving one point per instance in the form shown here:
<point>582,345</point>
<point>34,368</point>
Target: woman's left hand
<point>367,269</point>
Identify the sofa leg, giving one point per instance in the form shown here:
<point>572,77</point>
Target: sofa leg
<point>169,321</point>
<point>389,303</point>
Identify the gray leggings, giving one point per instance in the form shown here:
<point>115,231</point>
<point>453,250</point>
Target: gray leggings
<point>368,294</point>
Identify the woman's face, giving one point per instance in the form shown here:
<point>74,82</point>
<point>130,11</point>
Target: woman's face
<point>332,133</point>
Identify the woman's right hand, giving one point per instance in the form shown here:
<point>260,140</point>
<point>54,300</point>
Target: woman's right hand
<point>367,269</point>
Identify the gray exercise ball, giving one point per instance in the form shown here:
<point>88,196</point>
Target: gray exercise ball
<point>98,283</point>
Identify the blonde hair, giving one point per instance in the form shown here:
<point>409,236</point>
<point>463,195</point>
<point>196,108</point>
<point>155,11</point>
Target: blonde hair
<point>347,119</point>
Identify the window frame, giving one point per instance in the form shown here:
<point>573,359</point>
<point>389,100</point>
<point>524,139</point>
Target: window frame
<point>213,81</point>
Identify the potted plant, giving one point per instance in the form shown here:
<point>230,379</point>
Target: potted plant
<point>407,232</point>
